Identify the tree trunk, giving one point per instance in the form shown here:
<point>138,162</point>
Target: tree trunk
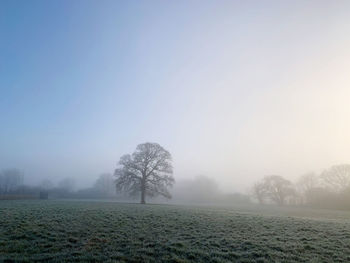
<point>143,197</point>
<point>143,192</point>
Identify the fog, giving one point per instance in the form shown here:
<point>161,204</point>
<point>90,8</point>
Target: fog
<point>174,131</point>
<point>234,91</point>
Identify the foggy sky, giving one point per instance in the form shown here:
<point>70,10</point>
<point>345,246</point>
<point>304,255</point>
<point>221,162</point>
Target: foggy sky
<point>234,90</point>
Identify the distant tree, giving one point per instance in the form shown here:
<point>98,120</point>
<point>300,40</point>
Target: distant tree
<point>10,180</point>
<point>305,185</point>
<point>308,181</point>
<point>278,188</point>
<point>260,191</point>
<point>337,177</point>
<point>321,197</point>
<point>148,171</point>
<point>105,185</point>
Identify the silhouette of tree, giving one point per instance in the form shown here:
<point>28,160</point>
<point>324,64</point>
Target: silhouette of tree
<point>306,185</point>
<point>147,171</point>
<point>260,191</point>
<point>105,185</point>
<point>10,180</point>
<point>278,188</point>
<point>337,177</point>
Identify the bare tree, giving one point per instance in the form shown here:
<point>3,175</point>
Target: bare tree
<point>306,185</point>
<point>307,182</point>
<point>260,191</point>
<point>337,177</point>
<point>147,171</point>
<point>10,180</point>
<point>105,185</point>
<point>278,188</point>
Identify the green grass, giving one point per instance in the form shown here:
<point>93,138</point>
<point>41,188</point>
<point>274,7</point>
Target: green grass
<point>81,231</point>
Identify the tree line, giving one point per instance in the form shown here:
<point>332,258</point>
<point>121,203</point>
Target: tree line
<point>10,180</point>
<point>13,187</point>
<point>148,173</point>
<point>329,189</point>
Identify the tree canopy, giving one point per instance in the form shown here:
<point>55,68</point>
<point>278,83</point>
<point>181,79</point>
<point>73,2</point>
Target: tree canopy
<point>337,177</point>
<point>148,172</point>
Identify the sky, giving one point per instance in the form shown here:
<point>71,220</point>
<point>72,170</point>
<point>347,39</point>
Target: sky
<point>235,90</point>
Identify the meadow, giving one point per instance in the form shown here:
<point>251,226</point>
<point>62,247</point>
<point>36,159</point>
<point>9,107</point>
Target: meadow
<point>88,231</point>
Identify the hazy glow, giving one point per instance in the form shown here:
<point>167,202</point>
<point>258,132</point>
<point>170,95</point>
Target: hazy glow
<point>233,89</point>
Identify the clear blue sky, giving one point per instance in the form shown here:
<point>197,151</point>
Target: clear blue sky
<point>217,83</point>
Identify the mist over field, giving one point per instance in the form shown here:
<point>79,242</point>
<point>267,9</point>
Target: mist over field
<point>174,131</point>
<point>233,90</point>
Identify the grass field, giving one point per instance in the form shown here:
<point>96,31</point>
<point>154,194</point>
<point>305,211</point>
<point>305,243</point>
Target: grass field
<point>81,231</point>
